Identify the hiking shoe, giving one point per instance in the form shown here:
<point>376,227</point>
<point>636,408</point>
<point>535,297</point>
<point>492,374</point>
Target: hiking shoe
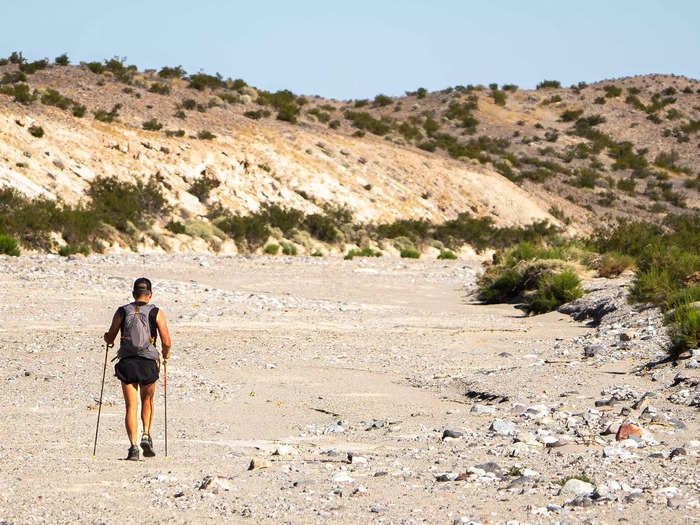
<point>133,454</point>
<point>147,446</point>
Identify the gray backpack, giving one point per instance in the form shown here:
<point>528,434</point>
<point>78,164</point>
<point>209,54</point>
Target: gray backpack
<point>136,336</point>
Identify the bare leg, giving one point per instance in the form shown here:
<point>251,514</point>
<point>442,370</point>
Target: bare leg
<point>131,398</point>
<point>147,393</point>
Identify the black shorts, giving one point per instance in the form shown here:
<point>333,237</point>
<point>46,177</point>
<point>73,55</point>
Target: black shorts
<point>137,369</point>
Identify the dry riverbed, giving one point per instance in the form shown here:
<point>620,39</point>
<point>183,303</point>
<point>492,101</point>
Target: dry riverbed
<point>372,390</point>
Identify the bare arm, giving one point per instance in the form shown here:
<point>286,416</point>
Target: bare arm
<point>111,334</point>
<point>162,325</point>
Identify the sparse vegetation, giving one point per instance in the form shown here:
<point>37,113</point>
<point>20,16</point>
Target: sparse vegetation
<point>206,135</point>
<point>8,246</point>
<point>410,253</point>
<point>447,254</point>
<point>152,125</point>
<point>36,131</point>
<point>271,249</point>
<point>549,84</point>
<point>161,88</point>
<point>107,116</point>
<point>175,227</point>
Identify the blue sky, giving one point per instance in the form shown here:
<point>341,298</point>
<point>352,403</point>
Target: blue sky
<point>360,48</point>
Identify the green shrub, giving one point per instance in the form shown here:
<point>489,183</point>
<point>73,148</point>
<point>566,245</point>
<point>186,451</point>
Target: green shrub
<point>408,253</point>
<point>334,124</point>
<point>228,97</point>
<point>446,254</point>
<point>499,97</point>
<point>319,115</point>
<point>17,58</point>
<point>612,91</point>
<point>552,100</point>
<point>509,87</point>
<point>364,252</point>
<point>289,249</point>
<point>613,264</point>
<point>32,67</point>
<point>365,121</point>
<point>382,101</point>
<point>107,116</point>
<point>160,88</point>
<point>53,98</point>
<point>152,125</point>
<point>285,102</point>
<point>272,249</point>
<point>72,249</point>
<point>684,329</point>
<point>79,110</point>
<point>205,135</point>
<point>62,60</point>
<point>553,291</point>
<point>547,84</point>
<point>202,186</point>
<point>189,103</point>
<point>202,81</point>
<point>257,114</point>
<point>21,93</point>
<point>172,72</point>
<point>175,227</point>
<point>581,477</point>
<point>36,131</point>
<point>669,161</point>
<point>8,246</point>
<point>571,115</point>
<point>627,185</point>
<point>174,133</point>
<point>12,77</point>
<point>316,253</point>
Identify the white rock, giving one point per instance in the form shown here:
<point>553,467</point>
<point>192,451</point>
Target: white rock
<point>285,450</point>
<point>669,492</point>
<point>502,427</point>
<point>483,409</point>
<point>577,487</point>
<point>342,477</point>
<point>358,460</point>
<point>529,473</point>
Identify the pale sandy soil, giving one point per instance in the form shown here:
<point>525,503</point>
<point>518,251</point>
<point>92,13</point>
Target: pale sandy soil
<point>259,344</point>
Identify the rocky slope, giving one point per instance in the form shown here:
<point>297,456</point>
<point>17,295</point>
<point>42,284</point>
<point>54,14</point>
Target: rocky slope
<point>424,155</point>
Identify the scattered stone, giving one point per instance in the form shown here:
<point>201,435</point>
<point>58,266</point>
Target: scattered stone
<point>257,463</point>
<point>482,409</point>
<point>285,450</point>
<point>677,452</point>
<point>451,476</point>
<point>490,467</point>
<point>626,430</point>
<point>451,434</point>
<point>377,424</point>
<point>342,477</point>
<point>577,488</point>
<point>214,483</point>
<point>502,427</point>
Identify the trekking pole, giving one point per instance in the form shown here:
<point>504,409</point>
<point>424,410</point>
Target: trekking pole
<point>165,392</point>
<point>99,407</point>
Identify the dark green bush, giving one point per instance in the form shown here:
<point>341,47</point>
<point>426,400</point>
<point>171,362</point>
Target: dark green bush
<point>409,253</point>
<point>20,92</point>
<point>95,67</point>
<point>365,121</point>
<point>172,72</point>
<point>121,72</point>
<point>107,116</point>
<point>12,77</point>
<point>289,249</point>
<point>36,131</point>
<point>32,67</point>
<point>174,133</point>
<point>585,178</point>
<point>78,110</point>
<point>612,91</point>
<point>684,328</point>
<point>446,254</point>
<point>499,97</point>
<point>364,252</point>
<point>72,249</point>
<point>285,102</point>
<point>53,98</point>
<point>62,60</point>
<point>272,249</point>
<point>571,115</point>
<point>8,246</point>
<point>257,114</point>
<point>545,84</point>
<point>334,124</point>
<point>382,101</point>
<point>202,186</point>
<point>152,125</point>
<point>189,104</point>
<point>17,58</point>
<point>202,81</point>
<point>175,227</point>
<point>553,291</point>
<point>161,88</point>
<point>205,135</point>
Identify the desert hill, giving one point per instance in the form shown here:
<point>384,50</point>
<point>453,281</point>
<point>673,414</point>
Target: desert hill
<point>576,156</point>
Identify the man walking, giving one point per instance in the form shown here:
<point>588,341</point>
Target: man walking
<point>140,323</point>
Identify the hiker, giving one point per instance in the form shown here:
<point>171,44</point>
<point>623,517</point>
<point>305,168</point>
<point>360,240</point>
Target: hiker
<point>140,323</point>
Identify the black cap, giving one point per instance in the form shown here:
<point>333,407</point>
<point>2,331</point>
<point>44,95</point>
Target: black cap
<point>142,285</point>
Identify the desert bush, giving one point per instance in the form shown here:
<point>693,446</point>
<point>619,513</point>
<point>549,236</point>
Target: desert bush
<point>161,88</point>
<point>115,65</point>
<point>107,116</point>
<point>613,264</point>
<point>257,114</point>
<point>382,101</point>
<point>152,125</point>
<point>12,77</point>
<point>202,81</point>
<point>189,103</point>
<point>20,93</point>
<point>363,252</point>
<point>627,185</point>
<point>16,57</point>
<point>72,249</point>
<point>172,72</point>
<point>316,253</point>
<point>174,133</point>
<point>36,131</point>
<point>62,60</point>
<point>228,97</point>
<point>585,178</point>
<point>202,186</point>
<point>8,246</point>
<point>408,253</point>
<point>95,67</point>
<point>462,112</point>
<point>612,91</point>
<point>205,135</point>
<point>284,102</point>
<point>175,227</point>
<point>684,329</point>
<point>289,249</point>
<point>571,115</point>
<point>447,254</point>
<point>334,124</point>
<point>364,121</point>
<point>668,160</point>
<point>32,67</point>
<point>271,249</point>
<point>499,97</point>
<point>553,291</point>
<point>547,84</point>
<point>509,87</point>
<point>53,98</point>
<point>319,115</point>
<point>552,100</point>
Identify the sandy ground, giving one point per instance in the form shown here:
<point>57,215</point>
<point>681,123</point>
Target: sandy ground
<point>309,353</point>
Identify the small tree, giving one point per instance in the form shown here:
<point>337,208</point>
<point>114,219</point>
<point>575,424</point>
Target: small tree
<point>62,60</point>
